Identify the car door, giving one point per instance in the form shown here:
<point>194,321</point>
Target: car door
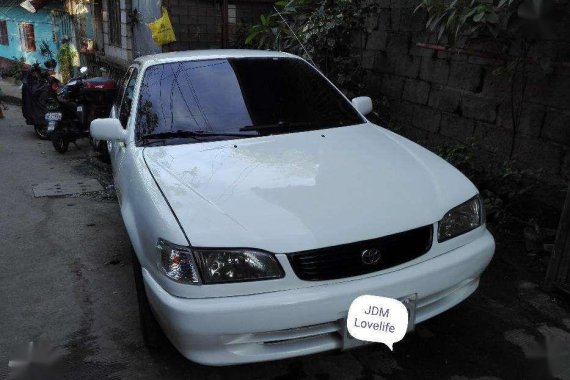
<point>122,111</point>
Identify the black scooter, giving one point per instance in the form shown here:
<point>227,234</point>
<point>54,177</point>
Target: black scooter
<point>78,102</point>
<point>38,87</point>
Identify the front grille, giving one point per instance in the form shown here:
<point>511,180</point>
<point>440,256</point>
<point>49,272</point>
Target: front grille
<point>346,260</point>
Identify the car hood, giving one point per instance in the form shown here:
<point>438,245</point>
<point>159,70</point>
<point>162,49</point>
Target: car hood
<point>299,191</point>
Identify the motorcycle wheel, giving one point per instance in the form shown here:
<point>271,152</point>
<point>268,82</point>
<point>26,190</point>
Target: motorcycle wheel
<point>59,142</point>
<point>41,131</point>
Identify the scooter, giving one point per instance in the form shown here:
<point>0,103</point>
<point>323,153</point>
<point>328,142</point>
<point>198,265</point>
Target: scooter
<point>37,88</point>
<point>78,102</point>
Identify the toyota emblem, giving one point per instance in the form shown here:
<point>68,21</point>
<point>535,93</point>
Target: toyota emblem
<point>370,256</point>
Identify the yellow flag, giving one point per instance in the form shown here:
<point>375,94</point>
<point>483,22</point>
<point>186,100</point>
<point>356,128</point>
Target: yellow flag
<point>161,29</point>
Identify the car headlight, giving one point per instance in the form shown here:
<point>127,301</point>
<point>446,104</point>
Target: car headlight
<point>233,265</point>
<point>461,219</point>
<point>177,262</point>
<point>184,264</point>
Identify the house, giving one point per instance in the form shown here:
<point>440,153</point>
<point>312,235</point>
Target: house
<point>25,34</point>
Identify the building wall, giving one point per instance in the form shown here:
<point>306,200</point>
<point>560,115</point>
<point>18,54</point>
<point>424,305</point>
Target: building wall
<point>439,98</point>
<point>148,11</point>
<point>198,23</point>
<point>43,28</point>
<point>121,54</point>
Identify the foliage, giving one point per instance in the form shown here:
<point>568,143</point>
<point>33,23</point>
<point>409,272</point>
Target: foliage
<point>503,187</point>
<point>467,18</point>
<point>509,25</point>
<point>45,50</point>
<point>273,32</point>
<point>320,31</point>
<point>16,69</point>
<point>65,58</point>
<point>458,155</point>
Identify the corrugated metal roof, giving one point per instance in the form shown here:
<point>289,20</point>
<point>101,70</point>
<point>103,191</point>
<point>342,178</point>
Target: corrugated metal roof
<point>33,5</point>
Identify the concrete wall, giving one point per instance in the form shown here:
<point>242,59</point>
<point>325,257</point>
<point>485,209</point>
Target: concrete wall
<point>198,23</point>
<point>122,54</point>
<point>148,11</point>
<point>440,98</point>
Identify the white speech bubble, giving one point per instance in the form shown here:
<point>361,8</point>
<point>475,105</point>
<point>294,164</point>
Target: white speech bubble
<point>377,319</point>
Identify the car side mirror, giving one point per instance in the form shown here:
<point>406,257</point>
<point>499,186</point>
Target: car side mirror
<point>108,129</point>
<point>363,104</point>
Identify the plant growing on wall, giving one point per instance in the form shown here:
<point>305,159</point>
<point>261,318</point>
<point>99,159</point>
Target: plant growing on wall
<point>500,24</point>
<point>46,52</point>
<point>320,31</point>
<point>65,58</point>
<point>466,18</point>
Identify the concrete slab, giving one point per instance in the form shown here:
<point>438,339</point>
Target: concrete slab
<point>57,189</point>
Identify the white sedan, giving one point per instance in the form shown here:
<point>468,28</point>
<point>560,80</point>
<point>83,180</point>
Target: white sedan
<point>260,202</point>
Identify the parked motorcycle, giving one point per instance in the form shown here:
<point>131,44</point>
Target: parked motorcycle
<point>78,102</point>
<point>38,87</point>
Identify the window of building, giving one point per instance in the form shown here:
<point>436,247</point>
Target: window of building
<point>3,33</point>
<point>114,12</point>
<point>27,37</point>
<point>232,14</point>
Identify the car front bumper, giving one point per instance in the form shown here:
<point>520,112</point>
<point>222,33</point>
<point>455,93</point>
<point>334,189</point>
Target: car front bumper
<point>277,325</point>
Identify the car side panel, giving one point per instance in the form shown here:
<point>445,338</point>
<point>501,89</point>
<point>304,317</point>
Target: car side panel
<point>145,212</point>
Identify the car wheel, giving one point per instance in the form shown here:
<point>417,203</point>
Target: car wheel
<point>59,142</point>
<point>152,333</point>
<point>41,131</point>
<point>104,152</point>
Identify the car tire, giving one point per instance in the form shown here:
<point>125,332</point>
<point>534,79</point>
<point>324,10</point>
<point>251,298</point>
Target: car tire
<point>59,142</point>
<point>104,152</point>
<point>41,131</point>
<point>152,333</point>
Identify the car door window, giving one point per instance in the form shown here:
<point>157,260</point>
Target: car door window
<point>122,84</point>
<point>127,97</point>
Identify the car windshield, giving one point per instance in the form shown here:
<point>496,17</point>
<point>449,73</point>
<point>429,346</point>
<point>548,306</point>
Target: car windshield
<point>233,98</point>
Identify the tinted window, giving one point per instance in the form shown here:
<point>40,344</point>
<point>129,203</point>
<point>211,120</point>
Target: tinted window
<point>225,95</point>
<point>127,99</point>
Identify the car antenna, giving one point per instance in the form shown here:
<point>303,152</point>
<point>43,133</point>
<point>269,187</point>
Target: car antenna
<point>295,34</point>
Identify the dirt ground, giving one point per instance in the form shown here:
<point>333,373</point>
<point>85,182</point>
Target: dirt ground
<point>66,279</point>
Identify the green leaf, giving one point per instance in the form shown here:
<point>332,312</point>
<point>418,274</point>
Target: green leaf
<point>438,21</point>
<point>492,18</point>
<point>252,36</point>
<point>416,9</point>
<point>441,31</point>
<point>470,13</point>
<point>428,23</point>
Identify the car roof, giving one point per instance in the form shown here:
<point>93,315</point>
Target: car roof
<point>190,55</point>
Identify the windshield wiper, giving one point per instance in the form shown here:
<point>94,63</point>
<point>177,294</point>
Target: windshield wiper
<point>196,135</point>
<point>280,125</point>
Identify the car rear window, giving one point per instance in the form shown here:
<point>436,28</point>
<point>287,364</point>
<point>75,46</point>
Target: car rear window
<point>226,95</point>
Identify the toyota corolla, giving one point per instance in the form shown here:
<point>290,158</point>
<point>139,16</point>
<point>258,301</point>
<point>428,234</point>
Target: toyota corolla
<point>260,202</point>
